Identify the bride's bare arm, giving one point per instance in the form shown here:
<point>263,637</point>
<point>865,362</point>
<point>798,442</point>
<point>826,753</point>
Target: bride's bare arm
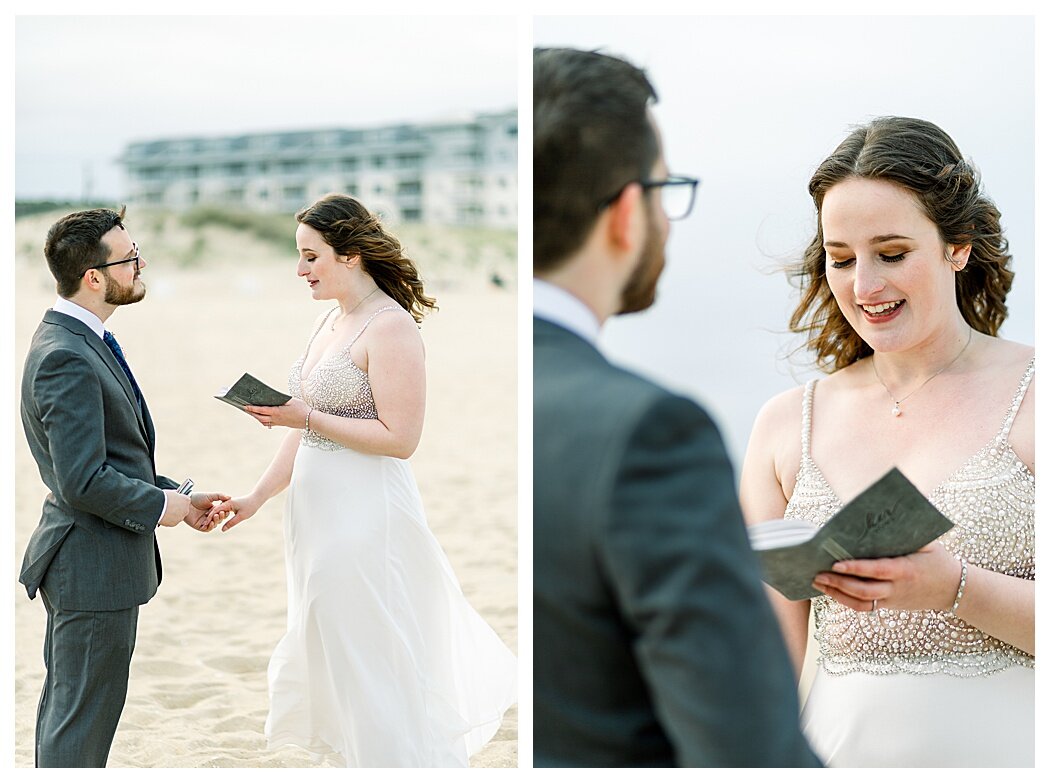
<point>273,480</point>
<point>762,497</point>
<point>397,376</point>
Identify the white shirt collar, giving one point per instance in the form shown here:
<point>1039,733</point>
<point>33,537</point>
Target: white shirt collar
<point>86,317</point>
<point>558,306</point>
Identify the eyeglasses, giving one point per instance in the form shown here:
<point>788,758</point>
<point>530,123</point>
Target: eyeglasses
<point>133,260</point>
<point>677,194</point>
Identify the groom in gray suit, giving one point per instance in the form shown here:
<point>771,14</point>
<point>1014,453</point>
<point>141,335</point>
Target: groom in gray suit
<point>93,557</point>
<point>654,642</point>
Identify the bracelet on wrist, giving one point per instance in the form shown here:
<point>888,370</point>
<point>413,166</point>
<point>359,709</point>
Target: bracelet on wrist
<point>962,586</point>
<point>308,418</point>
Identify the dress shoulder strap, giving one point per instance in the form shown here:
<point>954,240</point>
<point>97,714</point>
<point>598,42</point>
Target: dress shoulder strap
<point>368,321</point>
<point>1011,414</point>
<point>807,415</point>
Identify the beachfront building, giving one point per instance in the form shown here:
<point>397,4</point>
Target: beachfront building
<point>458,172</point>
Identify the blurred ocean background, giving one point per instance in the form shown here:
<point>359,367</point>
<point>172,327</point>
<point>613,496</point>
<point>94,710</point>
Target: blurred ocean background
<point>751,106</point>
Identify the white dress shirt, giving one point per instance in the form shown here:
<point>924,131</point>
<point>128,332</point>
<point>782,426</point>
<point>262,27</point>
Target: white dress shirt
<point>73,310</point>
<point>558,306</point>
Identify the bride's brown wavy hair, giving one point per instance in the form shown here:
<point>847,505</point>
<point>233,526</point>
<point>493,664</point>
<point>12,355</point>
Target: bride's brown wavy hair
<point>352,230</point>
<point>922,158</point>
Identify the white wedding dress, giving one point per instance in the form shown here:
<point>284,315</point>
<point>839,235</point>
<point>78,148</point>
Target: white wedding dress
<point>898,688</point>
<point>384,663</point>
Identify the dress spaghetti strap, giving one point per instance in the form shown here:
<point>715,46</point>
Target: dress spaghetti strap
<point>1011,414</point>
<point>807,416</point>
<point>368,321</point>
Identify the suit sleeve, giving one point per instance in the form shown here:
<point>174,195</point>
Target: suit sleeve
<point>68,397</point>
<point>677,557</point>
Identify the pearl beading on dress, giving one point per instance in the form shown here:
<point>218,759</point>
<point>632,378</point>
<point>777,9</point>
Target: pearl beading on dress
<point>991,501</point>
<point>335,385</point>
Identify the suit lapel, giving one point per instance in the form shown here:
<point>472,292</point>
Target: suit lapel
<point>93,342</point>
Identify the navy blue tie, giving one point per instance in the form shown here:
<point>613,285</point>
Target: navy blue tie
<point>114,346</point>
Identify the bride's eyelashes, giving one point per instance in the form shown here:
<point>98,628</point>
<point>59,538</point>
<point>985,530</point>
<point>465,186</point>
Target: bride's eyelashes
<point>888,259</point>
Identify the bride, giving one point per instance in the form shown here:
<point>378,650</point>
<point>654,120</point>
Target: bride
<point>384,663</point>
<point>926,659</point>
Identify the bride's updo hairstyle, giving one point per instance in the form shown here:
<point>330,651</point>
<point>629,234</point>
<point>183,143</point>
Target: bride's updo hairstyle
<point>352,230</point>
<point>923,159</point>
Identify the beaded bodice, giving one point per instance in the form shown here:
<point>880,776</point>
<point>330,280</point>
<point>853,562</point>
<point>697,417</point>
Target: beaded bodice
<point>335,385</point>
<point>991,502</point>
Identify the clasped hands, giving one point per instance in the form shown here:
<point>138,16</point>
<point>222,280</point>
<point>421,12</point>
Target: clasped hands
<point>195,510</point>
<point>926,579</point>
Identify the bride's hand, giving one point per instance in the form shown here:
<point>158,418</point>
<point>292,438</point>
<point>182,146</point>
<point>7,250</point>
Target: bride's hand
<point>927,579</point>
<point>241,508</point>
<point>291,414</point>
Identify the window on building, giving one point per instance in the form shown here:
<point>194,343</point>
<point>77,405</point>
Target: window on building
<point>470,213</point>
<point>296,192</point>
<point>412,215</point>
<point>350,164</point>
<point>409,188</point>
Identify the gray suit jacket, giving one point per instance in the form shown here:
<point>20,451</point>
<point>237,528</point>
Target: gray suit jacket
<point>654,642</point>
<point>95,548</point>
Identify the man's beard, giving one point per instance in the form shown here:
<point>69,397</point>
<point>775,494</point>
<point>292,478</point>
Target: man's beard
<point>117,294</point>
<point>640,291</point>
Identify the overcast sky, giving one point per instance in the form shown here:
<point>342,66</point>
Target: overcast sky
<point>752,105</point>
<point>86,86</point>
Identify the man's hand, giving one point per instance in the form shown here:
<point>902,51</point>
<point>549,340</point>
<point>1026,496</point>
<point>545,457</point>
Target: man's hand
<point>178,506</point>
<point>201,504</point>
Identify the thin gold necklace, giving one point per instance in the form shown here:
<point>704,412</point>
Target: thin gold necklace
<point>897,403</point>
<point>344,315</point>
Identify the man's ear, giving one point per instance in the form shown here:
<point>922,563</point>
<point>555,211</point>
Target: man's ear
<point>92,279</point>
<point>623,215</point>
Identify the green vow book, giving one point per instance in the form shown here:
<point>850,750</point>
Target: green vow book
<point>888,519</point>
<point>251,391</point>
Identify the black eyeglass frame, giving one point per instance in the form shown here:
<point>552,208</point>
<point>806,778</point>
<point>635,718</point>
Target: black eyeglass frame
<point>134,259</point>
<point>650,184</point>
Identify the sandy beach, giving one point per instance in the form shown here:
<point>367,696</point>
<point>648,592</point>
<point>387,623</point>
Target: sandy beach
<point>197,696</point>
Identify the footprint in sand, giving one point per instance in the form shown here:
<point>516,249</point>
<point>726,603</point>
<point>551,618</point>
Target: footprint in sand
<point>238,723</point>
<point>163,668</point>
<point>182,697</point>
<point>232,664</point>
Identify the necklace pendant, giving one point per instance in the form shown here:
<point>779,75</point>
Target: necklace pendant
<point>896,409</point>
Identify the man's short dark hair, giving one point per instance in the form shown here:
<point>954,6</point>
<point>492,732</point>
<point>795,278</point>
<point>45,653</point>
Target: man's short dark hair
<point>591,137</point>
<point>74,245</point>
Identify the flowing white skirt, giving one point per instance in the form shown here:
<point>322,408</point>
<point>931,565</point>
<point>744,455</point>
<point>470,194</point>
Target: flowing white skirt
<point>922,720</point>
<point>384,663</point>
